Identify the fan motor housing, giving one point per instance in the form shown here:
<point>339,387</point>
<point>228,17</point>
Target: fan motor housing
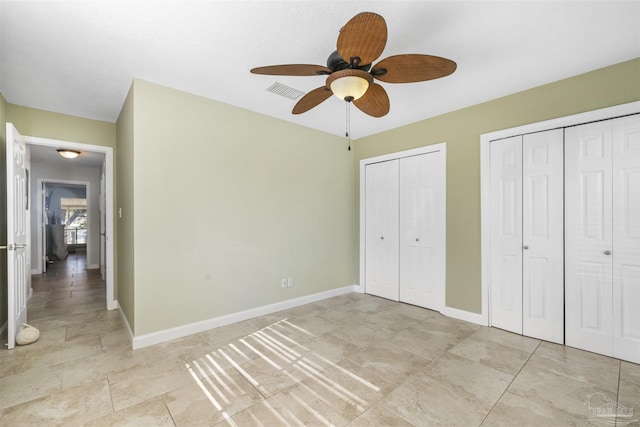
<point>336,63</point>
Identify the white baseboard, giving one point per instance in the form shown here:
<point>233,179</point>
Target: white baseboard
<point>205,325</point>
<point>126,323</point>
<point>35,271</point>
<point>467,316</point>
<point>93,266</point>
<point>358,289</point>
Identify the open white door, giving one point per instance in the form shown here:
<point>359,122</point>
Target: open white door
<point>103,221</point>
<point>45,221</point>
<point>16,234</point>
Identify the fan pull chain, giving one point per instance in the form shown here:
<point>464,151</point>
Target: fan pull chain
<point>348,124</point>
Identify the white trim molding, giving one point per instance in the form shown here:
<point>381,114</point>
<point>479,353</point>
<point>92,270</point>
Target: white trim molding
<point>125,321</point>
<point>227,319</point>
<point>485,176</point>
<point>467,316</point>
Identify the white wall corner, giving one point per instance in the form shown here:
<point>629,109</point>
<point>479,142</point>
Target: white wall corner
<point>153,338</point>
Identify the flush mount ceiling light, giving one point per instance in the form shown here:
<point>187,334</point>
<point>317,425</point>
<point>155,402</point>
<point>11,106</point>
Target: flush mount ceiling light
<point>68,154</point>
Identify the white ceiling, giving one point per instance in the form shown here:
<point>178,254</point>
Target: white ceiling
<point>79,57</point>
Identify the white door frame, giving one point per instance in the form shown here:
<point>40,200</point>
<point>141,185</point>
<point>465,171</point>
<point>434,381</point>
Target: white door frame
<point>442,147</point>
<point>108,152</point>
<point>485,177</point>
<point>39,268</point>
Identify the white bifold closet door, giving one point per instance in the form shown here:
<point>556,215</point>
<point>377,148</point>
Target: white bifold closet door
<point>405,229</point>
<point>603,237</point>
<point>382,229</point>
<point>422,231</point>
<point>527,235</point>
<point>506,234</point>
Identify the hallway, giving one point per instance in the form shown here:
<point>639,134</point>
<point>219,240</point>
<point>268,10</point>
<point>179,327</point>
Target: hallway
<point>67,288</point>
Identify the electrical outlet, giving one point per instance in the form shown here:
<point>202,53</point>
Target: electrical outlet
<point>290,281</point>
<point>285,283</point>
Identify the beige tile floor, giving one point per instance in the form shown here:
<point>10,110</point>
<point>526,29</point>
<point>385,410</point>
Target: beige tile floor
<point>353,360</point>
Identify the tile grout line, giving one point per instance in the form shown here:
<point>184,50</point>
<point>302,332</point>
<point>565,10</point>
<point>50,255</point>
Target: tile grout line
<point>164,402</point>
<point>511,382</point>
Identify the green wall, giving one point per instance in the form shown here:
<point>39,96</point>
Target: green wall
<point>45,124</point>
<point>461,130</point>
<point>3,212</point>
<point>228,202</point>
<point>124,242</point>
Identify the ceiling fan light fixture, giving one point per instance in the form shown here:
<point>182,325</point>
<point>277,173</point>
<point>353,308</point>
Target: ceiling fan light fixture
<point>349,84</point>
<point>68,154</point>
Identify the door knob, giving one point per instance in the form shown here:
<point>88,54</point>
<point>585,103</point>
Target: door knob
<point>525,247</point>
<point>417,239</point>
<point>381,237</point>
<point>607,252</point>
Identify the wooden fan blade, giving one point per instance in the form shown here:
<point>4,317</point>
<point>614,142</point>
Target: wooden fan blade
<point>412,68</point>
<point>364,36</point>
<point>375,102</point>
<point>311,99</point>
<point>292,70</point>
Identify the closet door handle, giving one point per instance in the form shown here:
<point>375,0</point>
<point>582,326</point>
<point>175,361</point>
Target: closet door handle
<point>381,237</point>
<point>417,239</point>
<point>607,252</point>
<point>525,247</point>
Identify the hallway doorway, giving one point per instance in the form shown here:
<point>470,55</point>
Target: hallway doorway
<point>100,235</point>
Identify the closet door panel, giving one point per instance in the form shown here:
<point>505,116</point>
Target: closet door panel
<point>588,222</point>
<point>626,238</point>
<point>543,236</point>
<point>422,225</point>
<point>506,234</point>
<point>381,246</point>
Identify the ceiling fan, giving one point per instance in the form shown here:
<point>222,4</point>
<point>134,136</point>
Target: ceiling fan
<point>350,75</point>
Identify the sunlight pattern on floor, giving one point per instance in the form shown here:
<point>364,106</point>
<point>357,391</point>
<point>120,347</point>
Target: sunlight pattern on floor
<point>275,345</point>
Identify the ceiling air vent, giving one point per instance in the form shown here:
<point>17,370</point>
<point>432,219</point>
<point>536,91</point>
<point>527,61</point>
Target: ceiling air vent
<point>284,90</point>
